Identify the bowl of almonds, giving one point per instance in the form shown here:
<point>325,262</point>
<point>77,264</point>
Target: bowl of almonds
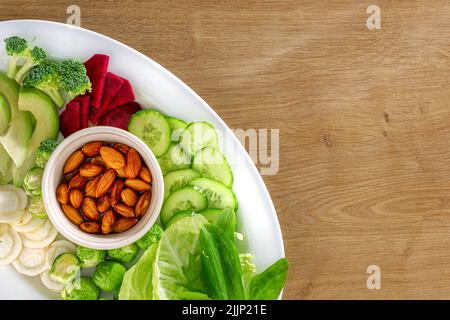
<point>103,188</point>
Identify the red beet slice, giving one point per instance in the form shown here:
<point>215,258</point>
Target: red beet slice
<point>123,96</point>
<point>120,117</point>
<point>70,118</point>
<point>113,84</point>
<point>97,67</point>
<point>84,110</point>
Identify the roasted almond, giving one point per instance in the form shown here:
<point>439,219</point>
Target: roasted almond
<point>138,184</point>
<point>90,210</point>
<point>105,183</point>
<point>77,182</point>
<point>134,164</point>
<point>72,214</point>
<point>108,220</point>
<point>76,198</point>
<point>99,160</point>
<point>145,175</point>
<point>90,170</point>
<point>129,197</point>
<point>91,187</point>
<point>124,210</point>
<point>113,158</point>
<point>103,203</point>
<point>116,191</point>
<point>122,147</point>
<point>73,162</point>
<point>121,173</point>
<point>90,227</point>
<point>123,224</point>
<point>92,149</point>
<point>62,193</point>
<point>143,204</point>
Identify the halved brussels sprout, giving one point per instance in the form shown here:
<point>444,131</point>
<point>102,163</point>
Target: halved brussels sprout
<point>124,254</point>
<point>109,275</point>
<point>37,208</point>
<point>89,257</point>
<point>81,289</point>
<point>65,268</point>
<point>32,183</point>
<point>152,236</point>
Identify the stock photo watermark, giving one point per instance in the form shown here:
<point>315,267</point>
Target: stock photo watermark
<point>74,17</point>
<point>374,280</point>
<point>374,20</point>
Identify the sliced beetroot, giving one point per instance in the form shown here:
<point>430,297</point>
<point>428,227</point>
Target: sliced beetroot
<point>70,118</point>
<point>120,117</point>
<point>84,110</point>
<point>113,84</point>
<point>123,96</point>
<point>96,68</point>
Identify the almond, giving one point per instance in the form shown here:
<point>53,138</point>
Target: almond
<point>116,191</point>
<point>134,164</point>
<point>90,227</point>
<point>124,210</point>
<point>76,198</point>
<point>123,224</point>
<point>129,197</point>
<point>90,170</point>
<point>145,174</point>
<point>143,204</point>
<point>103,203</point>
<point>92,149</point>
<point>138,184</point>
<point>90,210</point>
<point>73,162</point>
<point>91,186</point>
<point>105,183</point>
<point>122,147</point>
<point>62,193</point>
<point>108,220</point>
<point>121,172</point>
<point>72,214</point>
<point>77,182</point>
<point>113,158</point>
<point>99,160</point>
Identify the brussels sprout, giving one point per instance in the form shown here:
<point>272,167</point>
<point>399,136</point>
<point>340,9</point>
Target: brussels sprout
<point>65,268</point>
<point>44,152</point>
<point>37,208</point>
<point>152,236</point>
<point>32,183</point>
<point>124,254</point>
<point>81,289</point>
<point>109,275</point>
<point>89,257</point>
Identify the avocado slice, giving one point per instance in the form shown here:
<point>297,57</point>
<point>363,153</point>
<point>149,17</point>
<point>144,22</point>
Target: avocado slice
<point>5,166</point>
<point>10,90</point>
<point>5,114</point>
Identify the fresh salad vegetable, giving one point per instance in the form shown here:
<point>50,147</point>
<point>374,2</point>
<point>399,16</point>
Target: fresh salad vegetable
<point>109,275</point>
<point>44,152</point>
<point>90,257</point>
<point>124,254</point>
<point>81,289</point>
<point>32,183</point>
<point>65,268</point>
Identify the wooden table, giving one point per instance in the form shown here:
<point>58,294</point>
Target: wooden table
<point>364,118</point>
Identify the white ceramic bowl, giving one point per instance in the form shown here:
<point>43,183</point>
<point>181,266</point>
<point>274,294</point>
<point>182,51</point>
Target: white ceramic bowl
<point>52,178</point>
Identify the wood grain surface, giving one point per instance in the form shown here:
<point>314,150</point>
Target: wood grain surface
<point>364,119</point>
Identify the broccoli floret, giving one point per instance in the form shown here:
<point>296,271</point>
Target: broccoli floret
<point>34,57</point>
<point>16,48</point>
<point>74,78</point>
<point>44,152</point>
<point>46,77</point>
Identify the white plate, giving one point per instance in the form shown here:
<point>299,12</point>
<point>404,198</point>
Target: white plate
<point>155,87</point>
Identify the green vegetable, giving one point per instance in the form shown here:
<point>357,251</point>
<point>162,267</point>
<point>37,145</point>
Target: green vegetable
<point>124,254</point>
<point>137,282</point>
<point>37,208</point>
<point>187,295</point>
<point>74,78</point>
<point>81,289</point>
<point>268,284</point>
<point>65,268</point>
<point>33,57</point>
<point>177,258</point>
<point>46,77</point>
<point>108,275</point>
<point>230,261</point>
<point>89,257</point>
<point>16,48</point>
<point>32,183</point>
<point>212,267</point>
<point>44,152</point>
<point>227,222</point>
<point>152,236</point>
<point>248,269</point>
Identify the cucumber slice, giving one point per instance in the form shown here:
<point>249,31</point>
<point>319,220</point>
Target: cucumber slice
<point>218,195</point>
<point>152,128</point>
<point>177,126</point>
<point>179,216</point>
<point>174,159</point>
<point>65,268</point>
<point>186,198</point>
<point>5,114</point>
<point>176,179</point>
<point>211,163</point>
<point>197,136</point>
